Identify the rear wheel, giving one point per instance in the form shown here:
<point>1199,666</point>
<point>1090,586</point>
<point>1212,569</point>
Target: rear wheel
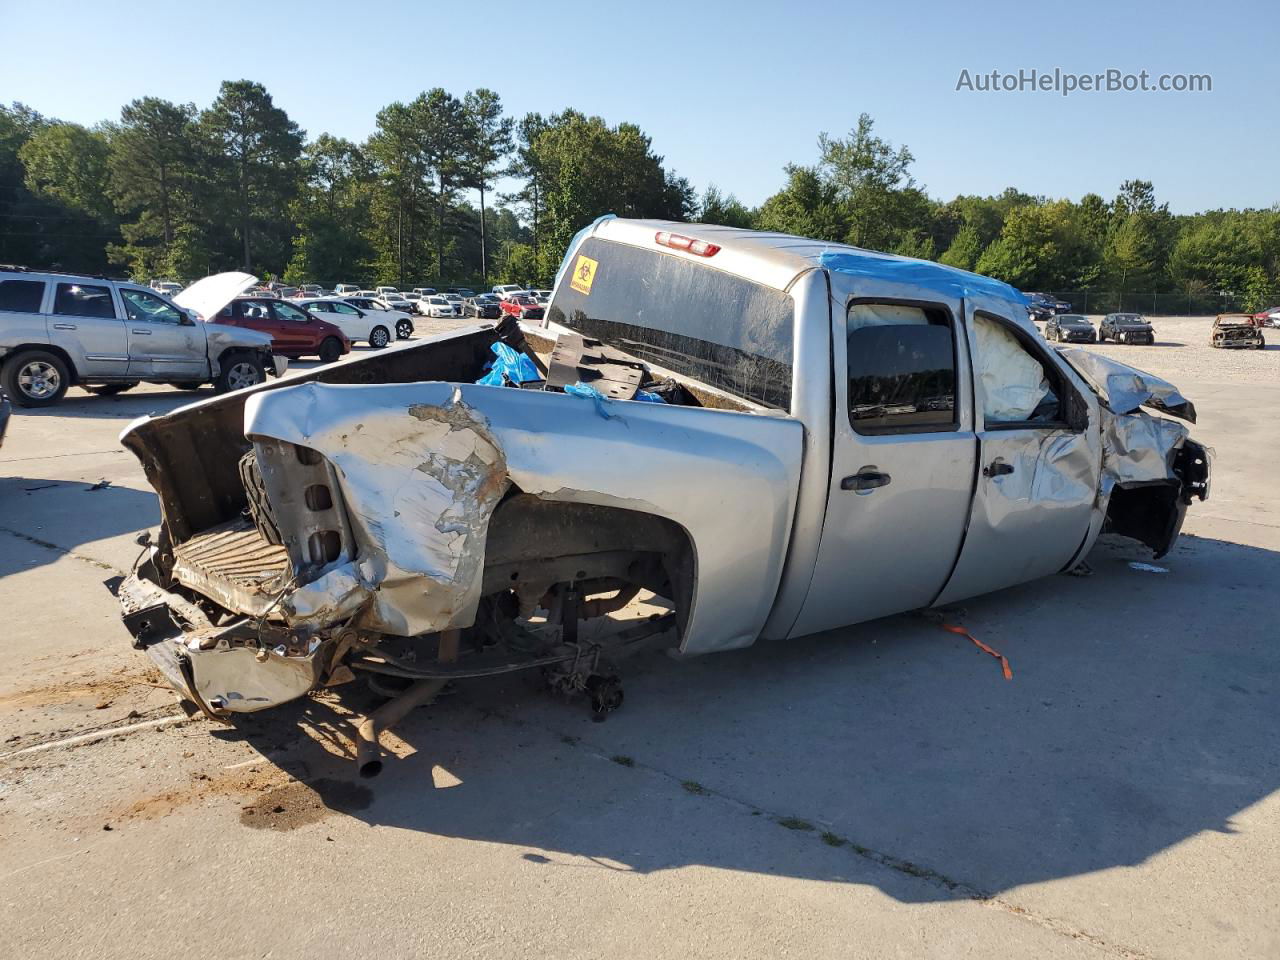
<point>240,371</point>
<point>379,337</point>
<point>330,350</point>
<point>194,385</point>
<point>35,378</point>
<point>404,330</point>
<point>111,389</point>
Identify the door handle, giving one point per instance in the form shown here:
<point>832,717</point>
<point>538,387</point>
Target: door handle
<point>141,333</point>
<point>997,468</point>
<point>64,326</point>
<point>865,480</point>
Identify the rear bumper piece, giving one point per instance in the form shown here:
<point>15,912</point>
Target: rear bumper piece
<point>215,668</point>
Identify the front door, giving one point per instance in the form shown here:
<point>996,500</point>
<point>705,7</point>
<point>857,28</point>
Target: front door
<point>1038,474</point>
<point>163,343</point>
<point>294,329</point>
<point>902,461</point>
<point>85,322</point>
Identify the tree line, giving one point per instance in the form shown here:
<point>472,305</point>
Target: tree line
<point>169,190</point>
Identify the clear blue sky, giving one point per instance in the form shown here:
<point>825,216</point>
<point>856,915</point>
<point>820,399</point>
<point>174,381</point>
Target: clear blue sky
<point>729,92</point>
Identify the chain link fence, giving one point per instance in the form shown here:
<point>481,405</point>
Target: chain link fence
<point>1172,304</point>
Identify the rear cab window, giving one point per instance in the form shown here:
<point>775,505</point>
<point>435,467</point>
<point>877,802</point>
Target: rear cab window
<point>691,318</point>
<point>902,368</point>
<point>21,296</point>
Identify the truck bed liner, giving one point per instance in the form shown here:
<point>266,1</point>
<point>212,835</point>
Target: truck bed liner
<point>234,565</point>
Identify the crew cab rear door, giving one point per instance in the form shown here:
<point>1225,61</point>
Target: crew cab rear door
<point>1039,461</point>
<point>903,455</point>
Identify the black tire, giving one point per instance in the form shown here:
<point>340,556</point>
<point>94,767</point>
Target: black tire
<point>35,378</point>
<point>404,329</point>
<point>194,385</point>
<point>110,389</point>
<point>379,337</point>
<point>240,370</point>
<point>330,350</point>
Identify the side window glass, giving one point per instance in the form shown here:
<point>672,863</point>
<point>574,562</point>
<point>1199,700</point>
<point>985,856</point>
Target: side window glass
<point>81,300</point>
<point>286,312</point>
<point>143,307</point>
<point>902,368</point>
<point>1017,387</point>
<point>343,308</point>
<point>21,296</point>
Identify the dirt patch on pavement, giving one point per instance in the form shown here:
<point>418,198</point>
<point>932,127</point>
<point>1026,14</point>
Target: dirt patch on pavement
<point>298,804</point>
<point>102,690</point>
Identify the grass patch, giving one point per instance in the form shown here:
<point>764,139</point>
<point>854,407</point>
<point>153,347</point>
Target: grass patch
<point>694,787</point>
<point>795,823</point>
<point>831,840</point>
<point>623,760</point>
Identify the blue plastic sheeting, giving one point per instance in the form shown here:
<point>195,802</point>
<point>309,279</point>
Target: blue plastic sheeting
<point>577,240</point>
<point>509,367</point>
<point>922,273</point>
<point>591,393</point>
<point>644,396</point>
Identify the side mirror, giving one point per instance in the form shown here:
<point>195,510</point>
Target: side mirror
<point>188,318</point>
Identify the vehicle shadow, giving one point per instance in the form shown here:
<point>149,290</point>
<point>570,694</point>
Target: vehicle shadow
<point>1140,713</point>
<point>81,405</point>
<point>63,515</point>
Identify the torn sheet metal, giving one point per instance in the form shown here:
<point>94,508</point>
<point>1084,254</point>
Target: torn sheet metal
<point>1124,388</point>
<point>419,484</point>
<point>412,578</point>
<point>1138,448</point>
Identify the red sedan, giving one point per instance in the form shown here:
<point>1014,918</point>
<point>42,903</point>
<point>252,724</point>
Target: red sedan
<point>522,307</point>
<point>294,332</point>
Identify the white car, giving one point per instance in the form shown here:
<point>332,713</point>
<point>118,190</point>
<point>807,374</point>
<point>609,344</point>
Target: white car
<point>438,306</point>
<point>399,320</point>
<point>346,289</point>
<point>542,296</point>
<point>456,299</point>
<point>383,291</point>
<point>424,291</point>
<point>397,301</point>
<point>504,290</point>
<point>371,327</point>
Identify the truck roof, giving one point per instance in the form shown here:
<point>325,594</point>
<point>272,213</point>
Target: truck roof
<point>776,259</point>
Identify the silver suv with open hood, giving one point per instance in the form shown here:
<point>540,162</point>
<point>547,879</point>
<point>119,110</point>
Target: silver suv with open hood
<point>106,335</point>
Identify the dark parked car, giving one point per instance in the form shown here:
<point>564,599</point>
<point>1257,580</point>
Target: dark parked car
<point>294,332</point>
<point>1236,330</point>
<point>4,415</point>
<point>1041,306</point>
<point>482,308</point>
<point>1126,328</point>
<point>1070,328</point>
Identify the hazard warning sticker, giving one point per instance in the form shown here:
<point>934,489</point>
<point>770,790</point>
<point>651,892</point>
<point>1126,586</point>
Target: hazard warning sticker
<point>584,274</point>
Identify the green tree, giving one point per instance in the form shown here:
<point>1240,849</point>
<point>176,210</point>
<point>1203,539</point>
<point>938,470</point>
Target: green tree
<point>724,209</point>
<point>964,250</point>
<point>489,140</point>
<point>1042,247</point>
<point>1132,252</point>
<point>253,157</point>
<point>68,163</point>
<point>150,166</point>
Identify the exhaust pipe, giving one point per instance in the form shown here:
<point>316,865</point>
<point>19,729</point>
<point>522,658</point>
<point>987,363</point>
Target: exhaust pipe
<point>368,752</point>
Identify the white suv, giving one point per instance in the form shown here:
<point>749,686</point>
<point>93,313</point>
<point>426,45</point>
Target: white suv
<point>59,329</point>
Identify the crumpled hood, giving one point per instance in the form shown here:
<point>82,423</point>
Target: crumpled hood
<point>1133,325</point>
<point>206,297</point>
<point>1124,388</point>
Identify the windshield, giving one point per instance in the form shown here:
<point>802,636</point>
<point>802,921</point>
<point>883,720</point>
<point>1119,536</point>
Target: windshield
<point>688,317</point>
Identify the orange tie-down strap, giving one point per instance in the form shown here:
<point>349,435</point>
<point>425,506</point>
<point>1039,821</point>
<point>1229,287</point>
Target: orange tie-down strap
<point>1004,661</point>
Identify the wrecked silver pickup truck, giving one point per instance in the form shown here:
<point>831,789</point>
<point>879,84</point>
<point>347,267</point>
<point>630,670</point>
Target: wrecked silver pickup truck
<point>764,435</point>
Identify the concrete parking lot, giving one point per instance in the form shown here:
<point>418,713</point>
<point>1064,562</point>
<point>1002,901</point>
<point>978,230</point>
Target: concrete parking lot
<point>877,791</point>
